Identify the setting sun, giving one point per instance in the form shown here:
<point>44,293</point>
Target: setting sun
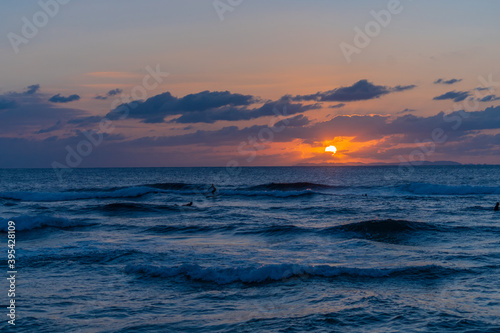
<point>331,149</point>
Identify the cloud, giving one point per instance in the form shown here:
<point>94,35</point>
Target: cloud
<point>361,90</point>
<point>110,93</point>
<point>489,98</point>
<point>456,96</point>
<point>207,100</point>
<point>56,127</point>
<point>407,110</point>
<point>114,92</point>
<point>451,81</point>
<point>297,121</point>
<point>337,106</point>
<point>483,88</point>
<point>23,113</point>
<point>404,129</point>
<point>61,99</point>
<point>402,88</point>
<point>203,107</point>
<point>393,136</point>
<point>210,107</point>
<point>7,104</point>
<point>30,90</point>
<point>236,114</point>
<point>84,121</point>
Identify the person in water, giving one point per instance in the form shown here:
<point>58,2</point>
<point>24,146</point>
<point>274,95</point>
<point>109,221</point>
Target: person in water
<point>213,189</point>
<point>497,208</point>
<point>189,204</point>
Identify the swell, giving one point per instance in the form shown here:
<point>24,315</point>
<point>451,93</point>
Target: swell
<point>26,223</point>
<point>165,229</point>
<point>300,186</point>
<point>371,229</point>
<point>88,257</point>
<point>437,189</point>
<point>272,189</point>
<point>282,190</point>
<point>387,226</point>
<point>131,207</point>
<point>277,272</point>
<point>130,192</point>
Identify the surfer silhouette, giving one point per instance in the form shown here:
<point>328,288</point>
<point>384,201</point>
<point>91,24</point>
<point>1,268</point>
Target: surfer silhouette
<point>213,189</point>
<point>497,208</point>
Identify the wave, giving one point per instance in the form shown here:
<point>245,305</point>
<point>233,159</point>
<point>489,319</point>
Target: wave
<point>278,194</point>
<point>280,190</point>
<point>276,230</point>
<point>190,228</point>
<point>378,230</point>
<point>384,226</point>
<point>129,192</point>
<point>277,272</point>
<point>301,186</point>
<point>86,257</point>
<point>122,207</point>
<point>173,186</point>
<point>372,227</point>
<point>25,223</point>
<point>161,186</point>
<point>436,189</point>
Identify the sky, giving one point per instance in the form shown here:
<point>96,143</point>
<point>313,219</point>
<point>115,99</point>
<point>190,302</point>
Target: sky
<point>255,83</point>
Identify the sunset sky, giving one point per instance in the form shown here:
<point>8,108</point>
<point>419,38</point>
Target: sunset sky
<point>257,82</point>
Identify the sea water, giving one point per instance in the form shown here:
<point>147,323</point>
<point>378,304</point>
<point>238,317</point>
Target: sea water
<point>342,249</point>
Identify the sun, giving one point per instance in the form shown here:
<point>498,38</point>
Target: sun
<point>331,149</point>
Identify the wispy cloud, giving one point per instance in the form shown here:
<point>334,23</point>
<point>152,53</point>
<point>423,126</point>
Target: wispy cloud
<point>443,81</point>
<point>359,91</point>
<point>61,99</point>
<point>111,93</point>
<point>337,106</point>
<point>456,96</point>
<point>30,90</point>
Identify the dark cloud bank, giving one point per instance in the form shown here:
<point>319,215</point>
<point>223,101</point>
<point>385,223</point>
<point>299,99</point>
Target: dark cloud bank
<point>30,112</point>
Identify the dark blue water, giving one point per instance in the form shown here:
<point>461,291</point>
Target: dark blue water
<point>344,249</point>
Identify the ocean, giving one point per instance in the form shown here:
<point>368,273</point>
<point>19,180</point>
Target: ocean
<point>276,249</point>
